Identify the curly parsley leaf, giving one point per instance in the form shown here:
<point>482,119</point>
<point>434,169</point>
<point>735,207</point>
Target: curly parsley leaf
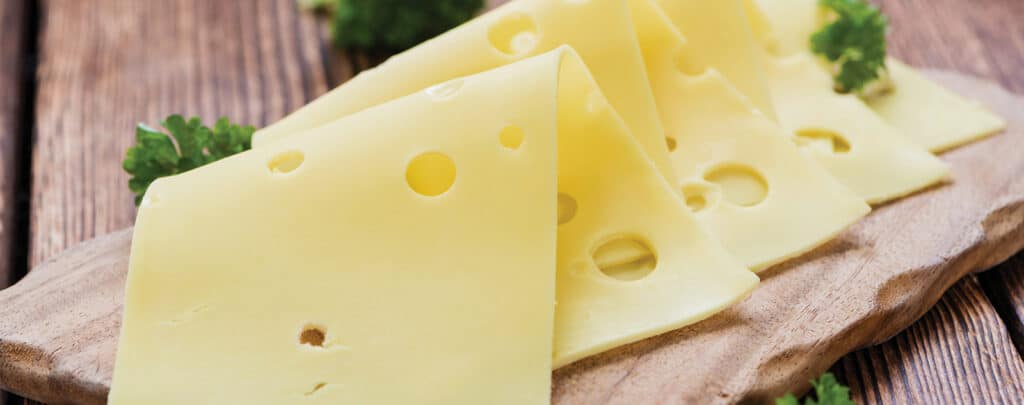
<point>393,25</point>
<point>828,391</point>
<point>854,42</point>
<point>189,145</point>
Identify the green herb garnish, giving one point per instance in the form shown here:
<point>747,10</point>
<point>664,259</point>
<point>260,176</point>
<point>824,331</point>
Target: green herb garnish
<point>189,145</point>
<point>854,42</point>
<point>392,25</point>
<point>827,390</point>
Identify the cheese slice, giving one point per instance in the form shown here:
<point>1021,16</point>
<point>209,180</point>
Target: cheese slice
<point>739,171</point>
<point>923,111</point>
<point>869,156</point>
<point>600,30</point>
<point>417,241</point>
<point>329,266</point>
<point>846,137</point>
<point>722,44</point>
<point>932,116</point>
<point>633,262</point>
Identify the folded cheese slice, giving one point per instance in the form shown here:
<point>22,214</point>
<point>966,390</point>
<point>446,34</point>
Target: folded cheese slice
<point>840,132</point>
<point>923,111</point>
<point>600,30</point>
<point>417,241</point>
<point>740,172</point>
<point>632,260</point>
<point>721,44</point>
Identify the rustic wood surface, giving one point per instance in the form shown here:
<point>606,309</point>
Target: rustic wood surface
<point>59,326</point>
<point>954,354</point>
<point>984,38</point>
<point>197,58</point>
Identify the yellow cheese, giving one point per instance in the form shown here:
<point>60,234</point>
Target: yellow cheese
<point>633,261</point>
<point>722,44</point>
<point>923,111</point>
<point>416,242</point>
<point>740,172</point>
<point>845,136</point>
<point>869,156</point>
<point>932,116</point>
<point>600,30</point>
<point>787,25</point>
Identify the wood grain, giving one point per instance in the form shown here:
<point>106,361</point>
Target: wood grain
<point>1004,286</point>
<point>108,64</point>
<point>983,37</point>
<point>91,275</point>
<point>957,353</point>
<point>872,281</point>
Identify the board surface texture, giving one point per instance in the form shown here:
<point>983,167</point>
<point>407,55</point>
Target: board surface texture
<point>58,327</point>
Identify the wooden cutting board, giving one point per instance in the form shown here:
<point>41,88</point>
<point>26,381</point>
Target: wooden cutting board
<point>59,326</point>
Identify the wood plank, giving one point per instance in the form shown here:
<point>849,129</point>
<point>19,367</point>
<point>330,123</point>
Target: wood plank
<point>108,64</point>
<point>981,37</point>
<point>986,39</point>
<point>957,353</point>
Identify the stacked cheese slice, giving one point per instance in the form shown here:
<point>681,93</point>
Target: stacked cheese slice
<point>546,182</point>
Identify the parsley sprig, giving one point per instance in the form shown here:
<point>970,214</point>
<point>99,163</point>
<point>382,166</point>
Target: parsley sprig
<point>854,41</point>
<point>392,25</point>
<point>827,390</point>
<point>189,145</point>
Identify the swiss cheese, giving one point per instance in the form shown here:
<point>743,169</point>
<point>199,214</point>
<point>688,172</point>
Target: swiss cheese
<point>460,306</point>
<point>845,136</point>
<point>932,116</point>
<point>600,30</point>
<point>923,111</point>
<point>330,266</point>
<point>840,132</point>
<point>632,260</point>
<point>740,172</point>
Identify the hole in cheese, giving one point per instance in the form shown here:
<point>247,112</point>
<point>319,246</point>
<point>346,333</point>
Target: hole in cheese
<point>515,34</point>
<point>444,90</point>
<point>312,335</point>
<point>700,196</point>
<point>625,259</point>
<point>511,137</point>
<point>687,66</point>
<point>740,184</point>
<point>566,208</point>
<point>286,162</point>
<point>822,140</point>
<point>671,143</point>
<point>696,202</point>
<point>431,174</point>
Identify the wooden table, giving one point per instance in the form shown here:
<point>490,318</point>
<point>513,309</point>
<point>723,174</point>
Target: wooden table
<point>76,75</point>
